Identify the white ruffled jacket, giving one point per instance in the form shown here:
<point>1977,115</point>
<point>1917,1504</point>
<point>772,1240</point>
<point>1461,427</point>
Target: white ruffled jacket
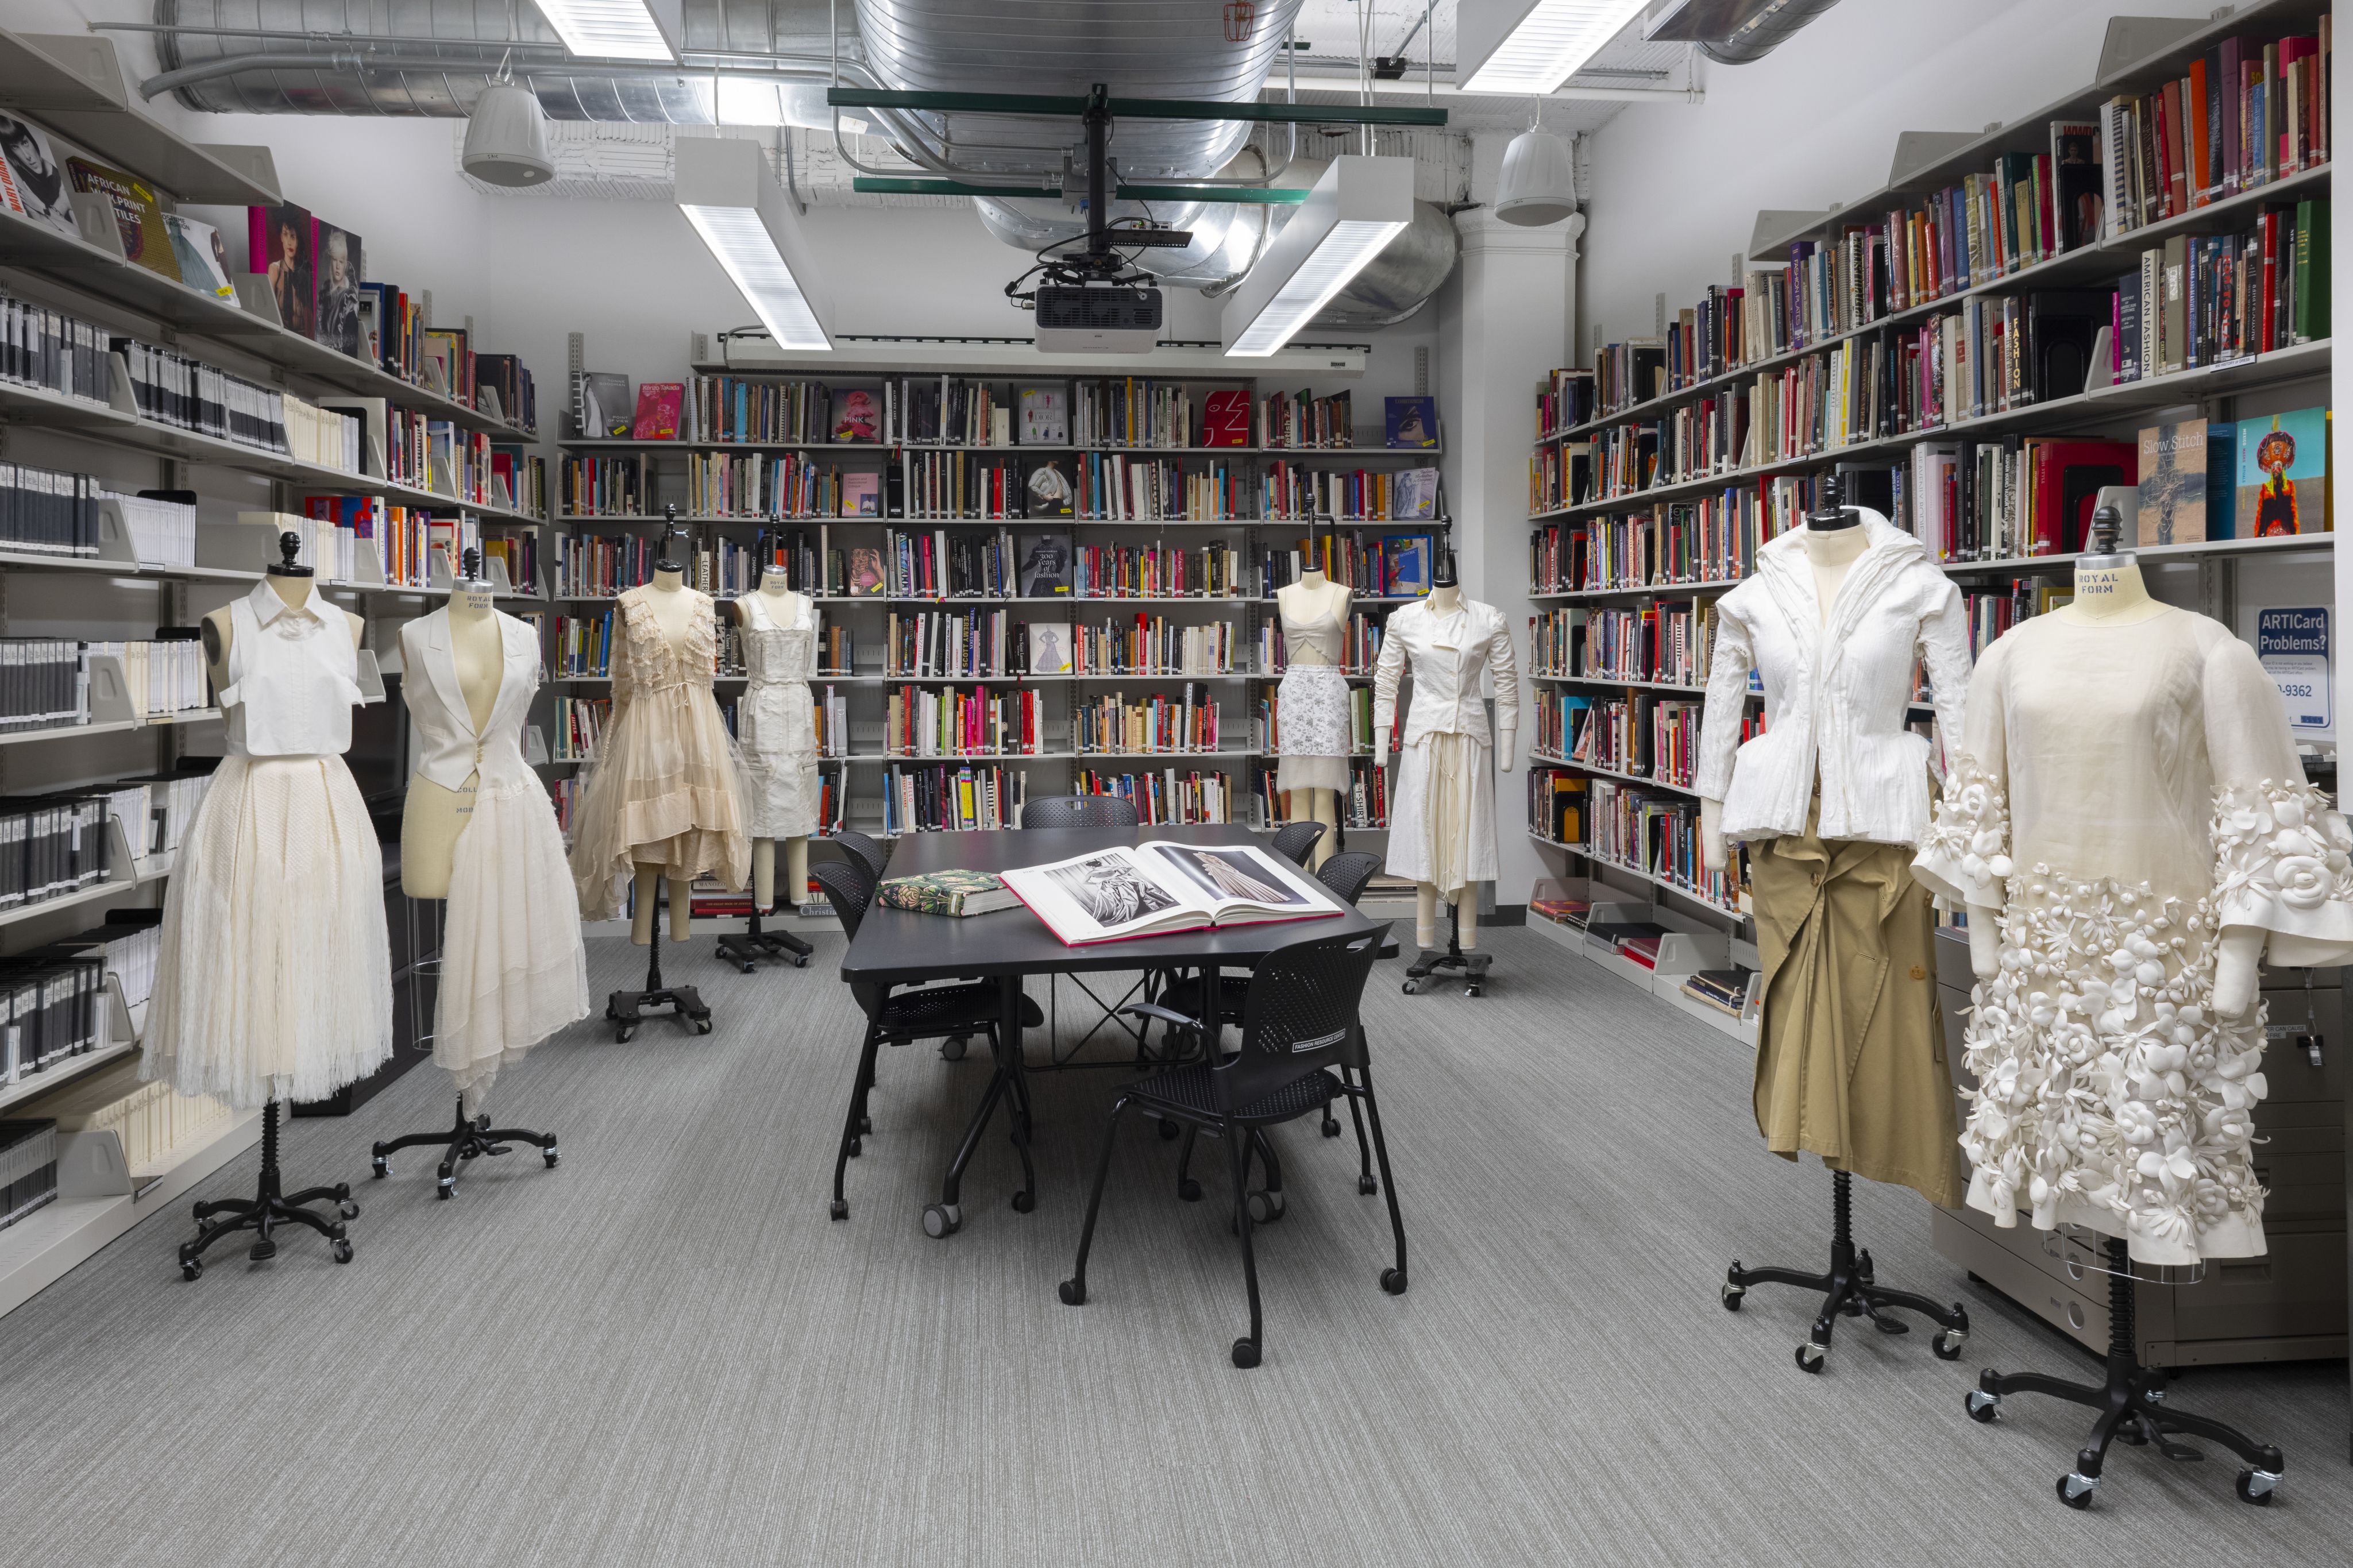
<point>1836,695</point>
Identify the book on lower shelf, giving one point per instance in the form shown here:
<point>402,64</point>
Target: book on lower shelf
<point>1160,887</point>
<point>1725,990</point>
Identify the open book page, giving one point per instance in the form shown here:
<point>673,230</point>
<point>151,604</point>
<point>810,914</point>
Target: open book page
<point>1109,895</point>
<point>1239,882</point>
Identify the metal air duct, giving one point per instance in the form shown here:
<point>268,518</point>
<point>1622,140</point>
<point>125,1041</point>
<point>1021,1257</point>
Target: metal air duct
<point>1731,32</point>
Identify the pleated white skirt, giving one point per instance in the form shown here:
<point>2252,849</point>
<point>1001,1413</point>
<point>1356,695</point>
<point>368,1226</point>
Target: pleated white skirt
<point>1442,814</point>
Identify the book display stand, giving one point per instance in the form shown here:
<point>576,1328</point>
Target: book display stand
<point>267,1208</point>
<point>472,1137</point>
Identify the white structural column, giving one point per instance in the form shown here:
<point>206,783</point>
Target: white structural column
<point>1509,306</point>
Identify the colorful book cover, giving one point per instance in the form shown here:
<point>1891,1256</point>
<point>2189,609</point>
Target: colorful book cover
<point>1409,421</point>
<point>1409,557</point>
<point>1048,488</point>
<point>204,260</point>
<point>855,417</point>
<point>279,243</point>
<point>1045,566</point>
<point>1226,419</point>
<point>865,572</point>
<point>137,214</point>
<point>861,495</point>
<point>32,178</point>
<point>340,265</point>
<point>2283,474</point>
<point>2184,488</point>
<point>955,892</point>
<point>659,403</point>
<point>1045,416</point>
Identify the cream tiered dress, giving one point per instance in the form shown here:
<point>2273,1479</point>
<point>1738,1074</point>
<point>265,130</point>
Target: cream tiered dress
<point>665,790</point>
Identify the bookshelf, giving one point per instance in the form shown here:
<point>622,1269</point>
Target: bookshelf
<point>1640,457</point>
<point>865,767</point>
<point>120,583</point>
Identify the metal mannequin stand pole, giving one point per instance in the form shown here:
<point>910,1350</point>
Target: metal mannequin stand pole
<point>267,1208</point>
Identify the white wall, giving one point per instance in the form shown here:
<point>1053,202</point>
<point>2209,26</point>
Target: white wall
<point>1676,190</point>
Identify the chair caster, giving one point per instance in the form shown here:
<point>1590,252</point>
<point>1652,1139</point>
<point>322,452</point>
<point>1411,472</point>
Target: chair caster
<point>702,1026</point>
<point>2075,1490</point>
<point>348,1209</point>
<point>1984,1408</point>
<point>1024,1202</point>
<point>865,1124</point>
<point>1073,1293</point>
<point>1411,987</point>
<point>625,1034</point>
<point>549,1155</point>
<point>1947,1345</point>
<point>445,1188</point>
<point>1331,1128</point>
<point>1189,1190</point>
<point>952,1050</point>
<point>856,1147</point>
<point>1370,1186</point>
<point>1167,1132</point>
<point>1474,988</point>
<point>1265,1207</point>
<point>192,1270</point>
<point>744,966</point>
<point>942,1220</point>
<point>2254,1486</point>
<point>380,1167</point>
<point>1245,1354</point>
<point>800,961</point>
<point>840,1208</point>
<point>1733,1295</point>
<point>1810,1356</point>
<point>342,1250</point>
<point>1393,1281</point>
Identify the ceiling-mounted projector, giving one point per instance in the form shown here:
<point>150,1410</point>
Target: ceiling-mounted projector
<point>1099,319</point>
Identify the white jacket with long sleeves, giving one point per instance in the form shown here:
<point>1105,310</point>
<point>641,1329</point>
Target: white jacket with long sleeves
<point>1835,692</point>
<point>1446,680</point>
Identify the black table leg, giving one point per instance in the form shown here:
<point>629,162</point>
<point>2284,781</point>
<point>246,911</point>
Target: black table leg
<point>1017,1091</point>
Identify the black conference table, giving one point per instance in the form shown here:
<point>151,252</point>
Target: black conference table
<point>897,947</point>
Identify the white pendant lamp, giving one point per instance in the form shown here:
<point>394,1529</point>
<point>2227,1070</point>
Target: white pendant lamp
<point>1519,46</point>
<point>506,140</point>
<point>1356,209</point>
<point>727,194</point>
<point>616,29</point>
<point>1538,184</point>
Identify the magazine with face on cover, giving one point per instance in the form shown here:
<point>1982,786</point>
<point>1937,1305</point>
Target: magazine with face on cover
<point>1158,888</point>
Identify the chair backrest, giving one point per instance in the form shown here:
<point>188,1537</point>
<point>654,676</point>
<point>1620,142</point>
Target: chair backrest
<point>871,857</point>
<point>1301,1016</point>
<point>1344,876</point>
<point>847,889</point>
<point>1294,841</point>
<point>1079,810</point>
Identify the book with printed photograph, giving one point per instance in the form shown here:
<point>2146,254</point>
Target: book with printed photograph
<point>340,261</point>
<point>137,214</point>
<point>1045,566</point>
<point>33,177</point>
<point>865,572</point>
<point>1158,888</point>
<point>1409,421</point>
<point>1049,647</point>
<point>856,418</point>
<point>1045,416</point>
<point>861,495</point>
<point>279,245</point>
<point>204,260</point>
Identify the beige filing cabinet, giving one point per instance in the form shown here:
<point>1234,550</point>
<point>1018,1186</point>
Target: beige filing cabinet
<point>2289,1305</point>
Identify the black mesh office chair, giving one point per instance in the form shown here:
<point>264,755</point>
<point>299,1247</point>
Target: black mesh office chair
<point>1301,1023</point>
<point>1343,876</point>
<point>870,857</point>
<point>1294,841</point>
<point>1079,810</point>
<point>1346,875</point>
<point>902,1017</point>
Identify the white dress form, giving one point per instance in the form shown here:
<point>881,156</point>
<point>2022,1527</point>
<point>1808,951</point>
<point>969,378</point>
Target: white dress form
<point>784,608</point>
<point>220,631</point>
<point>1314,597</point>
<point>671,606</point>
<point>432,816</point>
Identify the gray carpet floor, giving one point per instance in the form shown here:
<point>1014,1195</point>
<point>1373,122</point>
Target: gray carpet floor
<point>663,1352</point>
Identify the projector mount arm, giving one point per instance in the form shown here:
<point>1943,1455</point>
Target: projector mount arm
<point>1103,262</point>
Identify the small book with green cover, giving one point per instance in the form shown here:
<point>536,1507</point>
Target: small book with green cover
<point>948,892</point>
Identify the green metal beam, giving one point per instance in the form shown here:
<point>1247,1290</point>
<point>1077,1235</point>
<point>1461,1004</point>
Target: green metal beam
<point>1260,195</point>
<point>1138,108</point>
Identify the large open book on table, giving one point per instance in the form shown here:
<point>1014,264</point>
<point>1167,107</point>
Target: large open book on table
<point>1153,888</point>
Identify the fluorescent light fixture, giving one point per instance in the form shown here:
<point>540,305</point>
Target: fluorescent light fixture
<point>616,29</point>
<point>1356,209</point>
<point>727,194</point>
<point>1516,47</point>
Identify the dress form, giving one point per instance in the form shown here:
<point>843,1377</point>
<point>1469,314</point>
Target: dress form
<point>785,607</point>
<point>290,582</point>
<point>671,608</point>
<point>1312,596</point>
<point>1833,541</point>
<point>432,816</point>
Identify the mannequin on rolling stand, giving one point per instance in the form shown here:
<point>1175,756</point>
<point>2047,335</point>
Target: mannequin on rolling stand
<point>1313,698</point>
<point>776,725</point>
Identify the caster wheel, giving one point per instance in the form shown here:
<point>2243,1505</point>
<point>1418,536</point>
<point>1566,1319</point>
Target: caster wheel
<point>1410,987</point>
<point>1265,1207</point>
<point>1474,991</point>
<point>1947,1345</point>
<point>2254,1486</point>
<point>380,1167</point>
<point>446,1189</point>
<point>610,1015</point>
<point>2075,1490</point>
<point>800,961</point>
<point>1189,1190</point>
<point>1024,1202</point>
<point>1369,1187</point>
<point>1983,1407</point>
<point>856,1147</point>
<point>1167,1132</point>
<point>839,1210</point>
<point>193,1269</point>
<point>865,1124</point>
<point>627,1035</point>
<point>1245,1354</point>
<point>551,1156</point>
<point>953,1050</point>
<point>1393,1281</point>
<point>1809,1357</point>
<point>1073,1293</point>
<point>941,1220</point>
<point>342,1250</point>
<point>1733,1295</point>
<point>702,1026</point>
<point>744,967</point>
<point>1331,1128</point>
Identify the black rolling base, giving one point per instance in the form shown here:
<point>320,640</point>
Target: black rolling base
<point>626,1009</point>
<point>2131,1406</point>
<point>1849,1290</point>
<point>269,1208</point>
<point>1421,975</point>
<point>745,950</point>
<point>471,1139</point>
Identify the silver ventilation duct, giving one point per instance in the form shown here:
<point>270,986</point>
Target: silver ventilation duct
<point>1731,32</point>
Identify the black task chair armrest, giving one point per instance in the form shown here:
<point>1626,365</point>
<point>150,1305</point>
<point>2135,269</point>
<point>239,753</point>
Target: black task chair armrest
<point>1165,1015</point>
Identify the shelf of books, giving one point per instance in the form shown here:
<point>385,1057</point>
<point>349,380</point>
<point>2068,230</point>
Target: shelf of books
<point>1043,585</point>
<point>137,361</point>
<point>2126,294</point>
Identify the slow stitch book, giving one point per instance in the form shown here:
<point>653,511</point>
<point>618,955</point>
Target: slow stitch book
<point>137,214</point>
<point>659,403</point>
<point>951,892</point>
<point>1158,888</point>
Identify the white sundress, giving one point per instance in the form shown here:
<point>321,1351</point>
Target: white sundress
<point>775,723</point>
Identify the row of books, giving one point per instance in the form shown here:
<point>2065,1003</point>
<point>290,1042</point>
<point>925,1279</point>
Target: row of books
<point>1166,797</point>
<point>2207,299</point>
<point>984,722</point>
<point>1291,490</point>
<point>54,350</point>
<point>436,455</point>
<point>28,1168</point>
<point>1364,805</point>
<point>43,511</point>
<point>1658,835</point>
<point>724,484</point>
<point>148,1121</point>
<point>1706,540</point>
<point>1668,641</point>
<point>950,644</point>
<point>1150,644</point>
<point>1129,571</point>
<point>1360,647</point>
<point>756,408</point>
<point>160,676</point>
<point>579,725</point>
<point>1185,721</point>
<point>50,1006</point>
<point>51,846</point>
<point>131,942</point>
<point>405,541</point>
<point>2249,112</point>
<point>1266,720</point>
<point>1382,566</point>
<point>952,799</point>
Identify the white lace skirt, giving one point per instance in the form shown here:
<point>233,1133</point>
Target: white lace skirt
<point>1312,709</point>
<point>512,968</point>
<point>274,979</point>
<point>1442,814</point>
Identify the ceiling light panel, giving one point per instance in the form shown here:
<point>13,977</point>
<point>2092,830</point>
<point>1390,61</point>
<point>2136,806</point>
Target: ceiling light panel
<point>1356,209</point>
<point>1531,47</point>
<point>736,208</point>
<point>616,29</point>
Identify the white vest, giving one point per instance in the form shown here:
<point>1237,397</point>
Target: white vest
<point>293,678</point>
<point>449,751</point>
